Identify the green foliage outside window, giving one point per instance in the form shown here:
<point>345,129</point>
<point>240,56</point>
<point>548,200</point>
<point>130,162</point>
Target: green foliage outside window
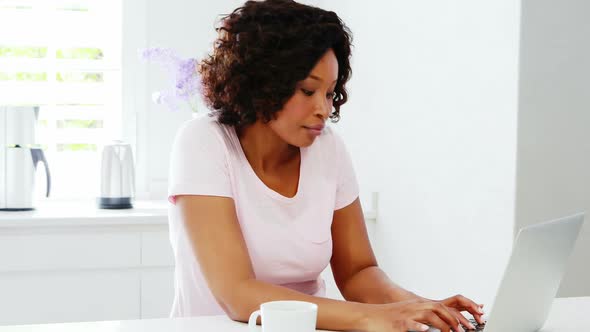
<point>80,53</point>
<point>79,123</point>
<point>32,77</point>
<point>76,147</point>
<point>73,8</point>
<point>23,52</point>
<point>38,52</point>
<point>79,77</point>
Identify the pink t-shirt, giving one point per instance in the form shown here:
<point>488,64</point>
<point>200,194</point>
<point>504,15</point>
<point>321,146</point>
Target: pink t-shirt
<point>288,239</point>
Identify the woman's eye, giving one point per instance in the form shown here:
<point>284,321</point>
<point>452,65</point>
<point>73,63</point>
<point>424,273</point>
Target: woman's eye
<point>310,93</point>
<point>307,92</point>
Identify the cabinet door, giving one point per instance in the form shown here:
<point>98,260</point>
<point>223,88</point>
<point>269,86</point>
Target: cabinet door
<point>53,297</point>
<point>157,276</point>
<point>62,249</point>
<point>156,250</point>
<point>157,292</point>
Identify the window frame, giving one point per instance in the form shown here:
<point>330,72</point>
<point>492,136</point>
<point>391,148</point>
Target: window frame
<point>134,85</point>
<point>125,119</point>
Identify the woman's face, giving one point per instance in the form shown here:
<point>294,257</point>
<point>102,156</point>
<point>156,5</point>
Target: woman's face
<point>303,117</point>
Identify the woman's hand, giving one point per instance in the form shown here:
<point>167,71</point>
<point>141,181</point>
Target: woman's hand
<point>410,315</point>
<point>458,303</point>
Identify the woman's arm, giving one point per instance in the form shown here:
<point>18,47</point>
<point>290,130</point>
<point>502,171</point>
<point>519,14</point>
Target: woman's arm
<point>360,279</point>
<point>354,265</point>
<point>222,254</point>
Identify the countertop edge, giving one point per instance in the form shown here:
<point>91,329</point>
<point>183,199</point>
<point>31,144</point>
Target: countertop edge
<point>144,213</point>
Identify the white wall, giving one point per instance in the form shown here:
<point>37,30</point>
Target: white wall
<point>431,125</point>
<point>554,124</point>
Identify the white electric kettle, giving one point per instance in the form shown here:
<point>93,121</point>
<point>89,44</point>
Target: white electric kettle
<point>117,187</point>
<point>19,158</point>
<point>18,178</point>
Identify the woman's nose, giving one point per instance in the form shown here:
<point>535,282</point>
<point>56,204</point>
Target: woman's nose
<point>323,109</point>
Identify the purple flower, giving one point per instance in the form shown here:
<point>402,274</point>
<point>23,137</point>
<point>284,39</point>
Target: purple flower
<point>187,78</point>
<point>187,82</point>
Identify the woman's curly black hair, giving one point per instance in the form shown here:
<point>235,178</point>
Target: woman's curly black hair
<point>264,48</point>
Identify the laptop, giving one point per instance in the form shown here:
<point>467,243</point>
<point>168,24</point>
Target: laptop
<point>532,276</point>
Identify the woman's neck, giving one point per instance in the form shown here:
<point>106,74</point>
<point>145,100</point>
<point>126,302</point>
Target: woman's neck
<point>265,150</point>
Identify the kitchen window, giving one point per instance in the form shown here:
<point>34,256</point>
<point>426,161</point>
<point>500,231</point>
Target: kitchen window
<point>66,57</point>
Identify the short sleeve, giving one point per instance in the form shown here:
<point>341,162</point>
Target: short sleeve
<point>347,186</point>
<point>198,162</point>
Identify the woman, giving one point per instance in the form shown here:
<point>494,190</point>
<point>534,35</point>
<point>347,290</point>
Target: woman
<point>265,196</point>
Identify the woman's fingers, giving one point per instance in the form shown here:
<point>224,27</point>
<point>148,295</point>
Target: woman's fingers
<point>479,315</point>
<point>462,303</point>
<point>443,315</point>
<point>416,326</point>
<point>433,319</point>
<point>464,321</point>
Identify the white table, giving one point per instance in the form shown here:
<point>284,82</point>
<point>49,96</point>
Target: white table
<point>567,315</point>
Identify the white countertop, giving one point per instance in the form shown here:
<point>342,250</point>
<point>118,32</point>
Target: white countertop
<point>85,213</point>
<point>567,315</point>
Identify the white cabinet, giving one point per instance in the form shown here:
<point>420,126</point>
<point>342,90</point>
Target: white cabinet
<point>53,297</point>
<point>71,272</point>
<point>157,290</point>
<point>69,248</point>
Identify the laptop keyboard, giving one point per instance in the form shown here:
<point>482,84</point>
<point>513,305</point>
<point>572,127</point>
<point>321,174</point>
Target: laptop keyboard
<point>478,327</point>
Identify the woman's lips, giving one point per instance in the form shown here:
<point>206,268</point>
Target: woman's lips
<point>314,130</point>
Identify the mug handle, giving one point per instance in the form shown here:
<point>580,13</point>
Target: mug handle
<point>252,320</point>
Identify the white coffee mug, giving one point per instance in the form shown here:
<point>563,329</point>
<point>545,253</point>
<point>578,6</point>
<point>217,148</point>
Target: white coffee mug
<point>286,316</point>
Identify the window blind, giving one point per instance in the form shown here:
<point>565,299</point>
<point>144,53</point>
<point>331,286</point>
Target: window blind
<point>65,57</point>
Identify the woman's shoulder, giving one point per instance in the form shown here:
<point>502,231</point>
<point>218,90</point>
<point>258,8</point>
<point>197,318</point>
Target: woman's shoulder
<point>199,124</point>
<point>204,129</point>
<point>204,136</point>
